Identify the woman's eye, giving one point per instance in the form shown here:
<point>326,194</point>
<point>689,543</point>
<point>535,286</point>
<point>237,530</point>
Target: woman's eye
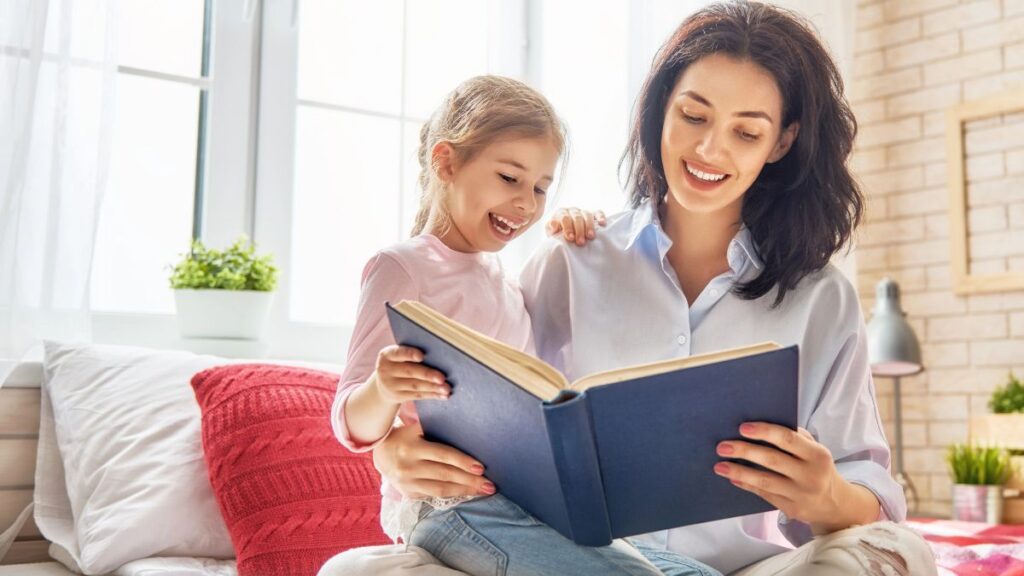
<point>692,119</point>
<point>509,179</point>
<point>749,137</point>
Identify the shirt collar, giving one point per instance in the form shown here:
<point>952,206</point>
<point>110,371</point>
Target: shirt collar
<point>741,247</point>
<point>644,217</point>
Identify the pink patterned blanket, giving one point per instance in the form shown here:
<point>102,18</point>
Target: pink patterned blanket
<point>963,548</point>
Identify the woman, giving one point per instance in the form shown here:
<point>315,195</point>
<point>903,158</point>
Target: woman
<point>740,196</point>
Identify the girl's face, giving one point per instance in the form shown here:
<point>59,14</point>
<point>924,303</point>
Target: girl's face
<point>723,122</point>
<point>498,194</point>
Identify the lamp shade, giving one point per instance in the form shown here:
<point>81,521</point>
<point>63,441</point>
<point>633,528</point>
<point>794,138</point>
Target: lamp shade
<point>893,349</point>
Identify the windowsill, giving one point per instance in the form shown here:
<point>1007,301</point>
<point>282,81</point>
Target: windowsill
<point>282,340</point>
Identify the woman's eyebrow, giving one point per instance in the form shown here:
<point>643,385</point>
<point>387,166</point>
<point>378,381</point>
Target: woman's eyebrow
<point>745,114</point>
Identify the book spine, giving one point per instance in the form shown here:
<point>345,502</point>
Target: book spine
<point>575,452</point>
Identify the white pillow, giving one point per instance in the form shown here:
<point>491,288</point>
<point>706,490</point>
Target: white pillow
<point>129,481</point>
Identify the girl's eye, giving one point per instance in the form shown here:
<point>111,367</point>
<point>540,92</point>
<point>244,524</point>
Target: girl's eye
<point>540,191</point>
<point>509,179</point>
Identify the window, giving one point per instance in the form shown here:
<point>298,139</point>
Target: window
<point>367,75</point>
<point>147,213</point>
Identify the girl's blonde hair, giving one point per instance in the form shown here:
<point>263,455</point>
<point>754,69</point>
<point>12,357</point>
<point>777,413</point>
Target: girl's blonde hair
<point>477,113</point>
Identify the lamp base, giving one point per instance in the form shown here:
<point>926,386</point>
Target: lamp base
<point>909,491</point>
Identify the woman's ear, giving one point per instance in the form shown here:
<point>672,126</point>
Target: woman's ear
<point>442,158</point>
<point>785,142</point>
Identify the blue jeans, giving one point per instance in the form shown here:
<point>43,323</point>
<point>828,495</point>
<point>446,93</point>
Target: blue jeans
<point>495,537</point>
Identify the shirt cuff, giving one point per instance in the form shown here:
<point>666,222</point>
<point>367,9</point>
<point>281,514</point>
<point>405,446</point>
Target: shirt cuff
<point>892,505</point>
<point>341,426</point>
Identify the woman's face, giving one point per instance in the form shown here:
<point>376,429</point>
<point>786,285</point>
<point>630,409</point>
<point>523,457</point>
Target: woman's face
<point>723,122</point>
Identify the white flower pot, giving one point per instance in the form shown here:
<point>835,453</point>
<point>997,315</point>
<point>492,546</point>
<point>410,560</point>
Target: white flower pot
<point>222,313</point>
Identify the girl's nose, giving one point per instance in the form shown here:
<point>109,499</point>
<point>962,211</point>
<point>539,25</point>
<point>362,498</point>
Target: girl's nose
<point>526,201</point>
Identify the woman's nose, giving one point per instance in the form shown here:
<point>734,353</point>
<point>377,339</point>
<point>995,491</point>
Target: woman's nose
<point>708,146</point>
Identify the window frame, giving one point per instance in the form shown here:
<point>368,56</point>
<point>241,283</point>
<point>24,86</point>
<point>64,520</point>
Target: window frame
<point>223,196</point>
<point>251,136</point>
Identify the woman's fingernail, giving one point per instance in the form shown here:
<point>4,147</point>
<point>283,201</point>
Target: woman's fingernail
<point>488,488</point>
<point>569,236</point>
<point>590,234</point>
<point>721,468</point>
<point>477,468</point>
<point>725,449</point>
<point>747,428</point>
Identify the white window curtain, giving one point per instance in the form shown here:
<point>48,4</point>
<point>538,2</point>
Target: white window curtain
<point>58,71</point>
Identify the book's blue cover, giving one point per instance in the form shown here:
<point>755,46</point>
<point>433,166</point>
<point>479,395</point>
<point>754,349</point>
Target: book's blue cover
<point>617,460</point>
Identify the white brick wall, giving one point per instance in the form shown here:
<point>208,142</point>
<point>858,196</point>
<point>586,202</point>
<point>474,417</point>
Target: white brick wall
<point>914,59</point>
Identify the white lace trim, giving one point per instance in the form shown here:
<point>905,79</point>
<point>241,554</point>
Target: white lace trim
<point>399,517</point>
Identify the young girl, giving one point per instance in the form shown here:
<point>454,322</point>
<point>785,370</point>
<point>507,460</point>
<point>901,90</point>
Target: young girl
<point>488,156</point>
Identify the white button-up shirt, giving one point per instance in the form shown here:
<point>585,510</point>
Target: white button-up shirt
<point>617,302</point>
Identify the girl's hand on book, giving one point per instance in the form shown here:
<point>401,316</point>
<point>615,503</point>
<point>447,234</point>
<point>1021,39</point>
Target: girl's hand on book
<point>801,478</point>
<point>419,468</point>
<point>576,225</point>
<point>400,377</point>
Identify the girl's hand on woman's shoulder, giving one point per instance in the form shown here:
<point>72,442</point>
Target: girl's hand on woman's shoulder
<point>419,468</point>
<point>576,225</point>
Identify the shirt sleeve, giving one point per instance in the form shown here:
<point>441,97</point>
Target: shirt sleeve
<point>846,419</point>
<point>384,280</point>
<point>545,283</point>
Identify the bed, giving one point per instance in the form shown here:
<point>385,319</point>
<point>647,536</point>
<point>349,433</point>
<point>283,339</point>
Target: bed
<point>960,548</point>
<point>19,438</point>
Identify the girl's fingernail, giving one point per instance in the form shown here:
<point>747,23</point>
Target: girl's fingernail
<point>725,449</point>
<point>747,428</point>
<point>721,468</point>
<point>442,396</point>
<point>477,468</point>
<point>488,488</point>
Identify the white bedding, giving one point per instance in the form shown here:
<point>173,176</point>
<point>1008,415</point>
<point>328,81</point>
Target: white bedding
<point>144,567</point>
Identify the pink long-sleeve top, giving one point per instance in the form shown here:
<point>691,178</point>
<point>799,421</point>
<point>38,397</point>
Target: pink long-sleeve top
<point>470,288</point>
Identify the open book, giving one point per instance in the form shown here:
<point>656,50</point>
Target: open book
<point>613,454</point>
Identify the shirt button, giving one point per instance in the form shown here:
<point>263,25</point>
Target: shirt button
<point>681,340</point>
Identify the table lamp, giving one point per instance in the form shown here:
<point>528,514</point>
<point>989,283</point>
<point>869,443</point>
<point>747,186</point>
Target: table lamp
<point>893,351</point>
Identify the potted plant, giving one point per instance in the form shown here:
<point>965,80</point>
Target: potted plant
<point>979,474</point>
<point>223,293</point>
<point>1005,427</point>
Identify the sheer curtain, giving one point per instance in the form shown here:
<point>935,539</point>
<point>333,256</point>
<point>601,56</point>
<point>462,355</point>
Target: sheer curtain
<point>57,99</point>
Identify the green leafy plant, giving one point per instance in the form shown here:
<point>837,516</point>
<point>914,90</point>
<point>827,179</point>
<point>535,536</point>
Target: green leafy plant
<point>235,268</point>
<point>972,464</point>
<point>1009,398</point>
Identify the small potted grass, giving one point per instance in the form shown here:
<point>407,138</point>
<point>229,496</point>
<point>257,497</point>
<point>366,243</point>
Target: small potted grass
<point>223,293</point>
<point>979,476</point>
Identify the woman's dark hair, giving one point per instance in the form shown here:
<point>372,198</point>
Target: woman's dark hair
<point>802,209</point>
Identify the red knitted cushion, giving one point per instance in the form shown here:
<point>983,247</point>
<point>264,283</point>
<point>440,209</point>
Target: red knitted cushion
<point>290,494</point>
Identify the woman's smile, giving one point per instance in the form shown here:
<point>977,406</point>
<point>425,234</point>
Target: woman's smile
<point>703,178</point>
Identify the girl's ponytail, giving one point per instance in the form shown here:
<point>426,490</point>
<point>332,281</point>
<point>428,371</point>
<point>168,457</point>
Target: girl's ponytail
<point>426,168</point>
